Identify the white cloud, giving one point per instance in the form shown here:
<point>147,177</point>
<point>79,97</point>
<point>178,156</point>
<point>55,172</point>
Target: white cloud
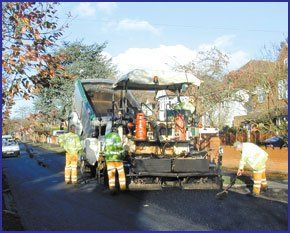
<point>88,9</point>
<point>165,57</point>
<point>224,41</point>
<point>220,42</point>
<point>161,58</point>
<point>131,24</point>
<point>106,7</point>
<point>106,55</point>
<point>238,59</point>
<point>85,9</point>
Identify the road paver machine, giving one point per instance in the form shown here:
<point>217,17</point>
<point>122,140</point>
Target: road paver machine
<point>163,143</point>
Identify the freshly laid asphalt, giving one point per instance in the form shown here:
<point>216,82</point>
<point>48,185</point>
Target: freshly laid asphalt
<point>45,202</point>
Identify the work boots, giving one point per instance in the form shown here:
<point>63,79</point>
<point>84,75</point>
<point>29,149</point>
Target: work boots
<point>264,188</point>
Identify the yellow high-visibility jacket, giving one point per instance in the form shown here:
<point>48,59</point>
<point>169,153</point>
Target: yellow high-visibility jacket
<point>70,142</point>
<point>253,156</point>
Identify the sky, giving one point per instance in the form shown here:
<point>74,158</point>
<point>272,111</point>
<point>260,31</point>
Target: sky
<point>159,35</point>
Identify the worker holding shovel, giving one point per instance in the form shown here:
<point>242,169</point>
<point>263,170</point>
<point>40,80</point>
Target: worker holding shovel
<point>72,145</point>
<point>256,158</point>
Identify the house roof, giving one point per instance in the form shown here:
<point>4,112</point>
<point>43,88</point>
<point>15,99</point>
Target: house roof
<point>260,66</point>
<point>283,53</point>
<point>254,66</point>
<point>248,76</point>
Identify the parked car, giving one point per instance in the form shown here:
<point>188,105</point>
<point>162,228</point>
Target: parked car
<point>10,147</point>
<point>6,137</point>
<point>274,142</point>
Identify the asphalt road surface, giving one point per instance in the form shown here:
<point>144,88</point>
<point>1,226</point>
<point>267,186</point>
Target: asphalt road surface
<point>45,202</point>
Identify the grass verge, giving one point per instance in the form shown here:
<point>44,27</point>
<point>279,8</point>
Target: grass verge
<point>274,176</point>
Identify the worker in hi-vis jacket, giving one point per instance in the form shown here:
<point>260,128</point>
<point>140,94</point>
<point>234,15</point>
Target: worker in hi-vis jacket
<point>72,145</point>
<point>256,158</point>
<point>114,160</point>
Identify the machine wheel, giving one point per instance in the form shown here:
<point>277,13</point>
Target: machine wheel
<point>104,178</point>
<point>93,170</point>
<point>82,167</point>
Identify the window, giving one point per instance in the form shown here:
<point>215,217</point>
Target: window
<point>286,63</point>
<point>281,120</point>
<point>261,94</point>
<point>283,89</point>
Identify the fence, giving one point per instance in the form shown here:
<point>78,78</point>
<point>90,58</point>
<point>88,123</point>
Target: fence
<point>42,138</point>
<point>255,137</point>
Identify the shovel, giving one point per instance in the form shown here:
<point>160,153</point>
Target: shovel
<point>223,194</point>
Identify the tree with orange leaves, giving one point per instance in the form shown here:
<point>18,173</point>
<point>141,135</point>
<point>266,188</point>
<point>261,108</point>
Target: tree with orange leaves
<point>29,33</point>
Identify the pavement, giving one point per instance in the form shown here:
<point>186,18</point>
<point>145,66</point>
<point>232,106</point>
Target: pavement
<point>278,185</point>
<point>44,202</point>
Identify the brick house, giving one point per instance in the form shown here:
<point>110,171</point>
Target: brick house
<point>269,98</point>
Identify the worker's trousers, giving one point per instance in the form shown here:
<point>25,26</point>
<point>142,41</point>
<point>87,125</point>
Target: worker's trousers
<point>260,181</point>
<point>112,167</point>
<point>70,171</point>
